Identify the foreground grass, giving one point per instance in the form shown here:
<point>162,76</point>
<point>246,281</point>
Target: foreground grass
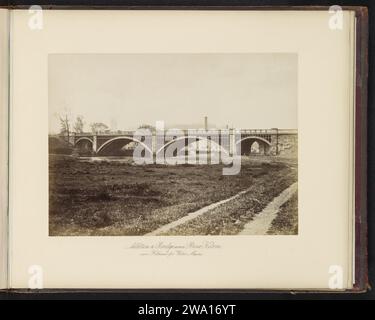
<point>110,198</point>
<point>231,217</point>
<point>286,222</point>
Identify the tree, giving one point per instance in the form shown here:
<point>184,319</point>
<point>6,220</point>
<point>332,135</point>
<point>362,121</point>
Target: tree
<point>65,125</point>
<point>78,125</point>
<point>147,126</point>
<point>98,127</point>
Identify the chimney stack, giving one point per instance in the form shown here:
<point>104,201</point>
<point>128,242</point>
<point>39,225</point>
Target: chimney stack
<point>205,123</point>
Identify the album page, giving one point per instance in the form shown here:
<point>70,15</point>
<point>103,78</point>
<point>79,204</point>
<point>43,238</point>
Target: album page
<point>181,149</point>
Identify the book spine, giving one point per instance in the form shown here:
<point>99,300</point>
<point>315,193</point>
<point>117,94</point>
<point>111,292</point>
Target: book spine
<point>4,134</point>
<point>362,67</point>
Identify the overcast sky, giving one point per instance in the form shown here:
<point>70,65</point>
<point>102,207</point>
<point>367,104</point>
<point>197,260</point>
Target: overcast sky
<point>254,91</point>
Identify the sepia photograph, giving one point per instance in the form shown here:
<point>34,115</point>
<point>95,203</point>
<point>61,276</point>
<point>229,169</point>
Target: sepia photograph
<point>177,144</point>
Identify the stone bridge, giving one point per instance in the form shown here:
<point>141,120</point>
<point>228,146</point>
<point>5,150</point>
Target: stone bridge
<point>252,141</point>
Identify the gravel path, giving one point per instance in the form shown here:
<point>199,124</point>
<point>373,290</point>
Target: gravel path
<point>262,221</point>
<point>193,215</point>
<point>258,226</point>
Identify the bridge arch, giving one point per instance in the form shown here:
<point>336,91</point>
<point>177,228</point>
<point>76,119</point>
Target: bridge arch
<point>188,142</point>
<point>125,138</point>
<point>264,144</point>
<point>84,139</point>
<point>84,146</point>
<point>255,138</point>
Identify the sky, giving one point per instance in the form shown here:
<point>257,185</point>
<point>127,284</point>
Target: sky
<point>124,91</point>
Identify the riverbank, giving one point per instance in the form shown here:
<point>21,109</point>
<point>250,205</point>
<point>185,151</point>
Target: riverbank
<point>114,198</point>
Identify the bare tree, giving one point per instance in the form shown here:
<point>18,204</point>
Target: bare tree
<point>65,125</point>
<point>147,126</point>
<point>98,126</point>
<point>78,125</point>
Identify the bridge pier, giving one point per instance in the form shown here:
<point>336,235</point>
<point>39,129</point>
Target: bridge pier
<point>95,143</point>
<point>232,142</point>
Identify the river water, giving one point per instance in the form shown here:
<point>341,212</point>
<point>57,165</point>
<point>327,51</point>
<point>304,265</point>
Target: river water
<point>171,161</point>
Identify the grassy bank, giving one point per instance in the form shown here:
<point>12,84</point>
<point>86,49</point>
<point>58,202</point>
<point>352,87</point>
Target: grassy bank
<point>109,198</point>
<point>286,221</point>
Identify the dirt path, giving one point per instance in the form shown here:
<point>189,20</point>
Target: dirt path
<point>193,215</point>
<point>262,221</point>
<point>258,226</point>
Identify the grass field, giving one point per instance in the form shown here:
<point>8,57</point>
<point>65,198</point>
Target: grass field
<point>115,198</point>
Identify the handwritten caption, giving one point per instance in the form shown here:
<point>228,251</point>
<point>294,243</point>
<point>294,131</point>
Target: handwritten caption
<point>169,249</point>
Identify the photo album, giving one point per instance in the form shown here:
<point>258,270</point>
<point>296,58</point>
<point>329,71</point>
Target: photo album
<point>186,149</point>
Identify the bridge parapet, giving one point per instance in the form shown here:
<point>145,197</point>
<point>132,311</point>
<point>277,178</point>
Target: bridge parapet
<point>185,131</point>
